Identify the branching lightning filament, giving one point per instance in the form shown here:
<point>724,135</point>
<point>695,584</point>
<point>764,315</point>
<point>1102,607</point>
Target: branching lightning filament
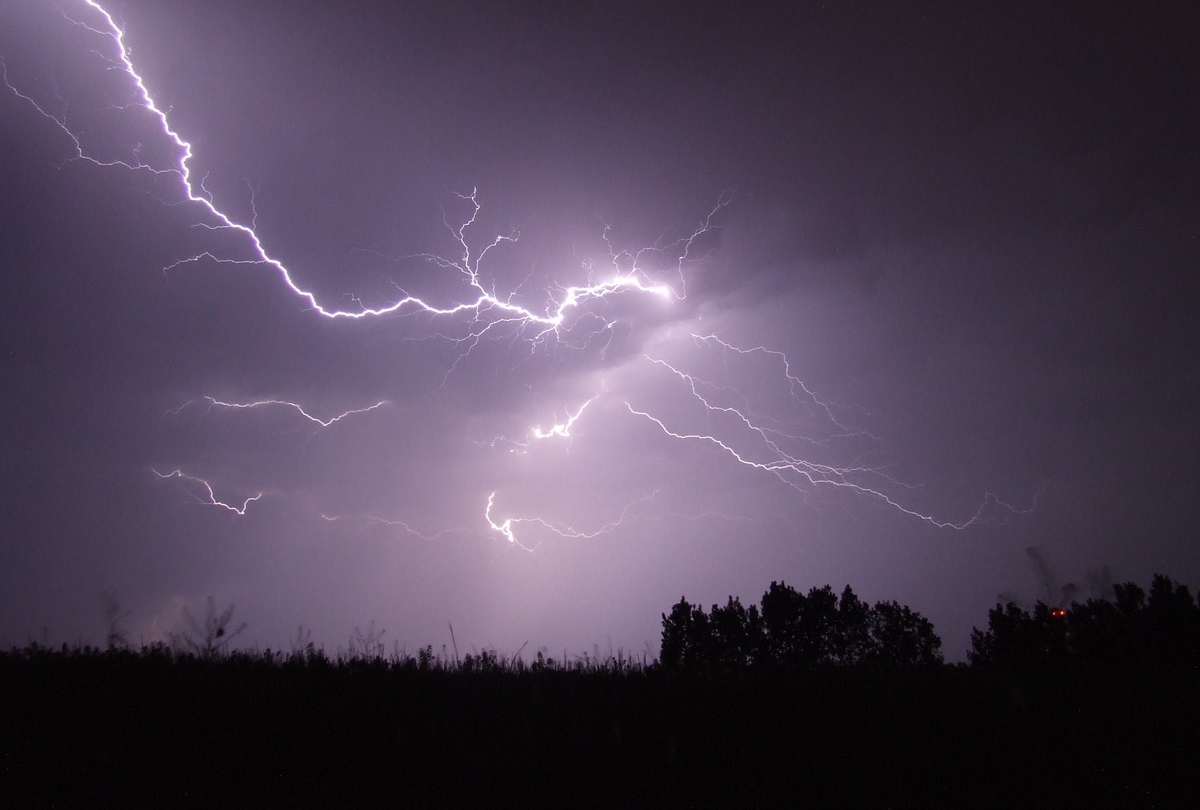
<point>794,471</point>
<point>210,498</point>
<point>213,402</point>
<point>483,303</point>
<point>507,527</point>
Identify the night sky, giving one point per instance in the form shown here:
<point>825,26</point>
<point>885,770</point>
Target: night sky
<point>971,230</point>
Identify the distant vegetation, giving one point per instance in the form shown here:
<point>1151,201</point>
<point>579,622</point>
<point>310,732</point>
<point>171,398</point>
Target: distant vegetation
<point>1161,629</point>
<point>790,630</point>
<point>787,631</point>
<point>804,699</point>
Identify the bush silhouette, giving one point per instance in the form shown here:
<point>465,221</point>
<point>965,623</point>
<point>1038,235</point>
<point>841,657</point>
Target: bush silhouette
<point>210,638</point>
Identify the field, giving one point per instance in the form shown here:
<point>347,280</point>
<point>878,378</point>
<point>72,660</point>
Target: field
<point>85,727</point>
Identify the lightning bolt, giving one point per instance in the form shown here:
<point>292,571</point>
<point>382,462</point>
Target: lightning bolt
<point>208,491</point>
<point>484,304</point>
<point>562,429</point>
<point>485,312</point>
<point>507,527</point>
<point>794,383</point>
<point>213,402</point>
<point>793,471</point>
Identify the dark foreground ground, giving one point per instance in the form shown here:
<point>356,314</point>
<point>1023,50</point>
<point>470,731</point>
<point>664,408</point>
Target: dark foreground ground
<point>124,729</point>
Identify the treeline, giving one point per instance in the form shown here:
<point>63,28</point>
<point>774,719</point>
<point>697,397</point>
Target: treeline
<point>788,630</point>
<point>1158,629</point>
<point>791,631</point>
<point>804,699</point>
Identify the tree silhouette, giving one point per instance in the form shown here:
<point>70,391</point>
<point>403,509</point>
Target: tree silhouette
<point>735,634</point>
<point>1136,629</point>
<point>782,606</point>
<point>902,638</point>
<point>675,635</point>
<point>795,631</point>
<point>853,641</point>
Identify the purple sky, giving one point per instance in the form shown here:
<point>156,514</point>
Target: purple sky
<point>973,234</point>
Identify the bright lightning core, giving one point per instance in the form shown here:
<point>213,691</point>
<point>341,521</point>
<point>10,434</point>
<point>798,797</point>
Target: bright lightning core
<point>563,429</point>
